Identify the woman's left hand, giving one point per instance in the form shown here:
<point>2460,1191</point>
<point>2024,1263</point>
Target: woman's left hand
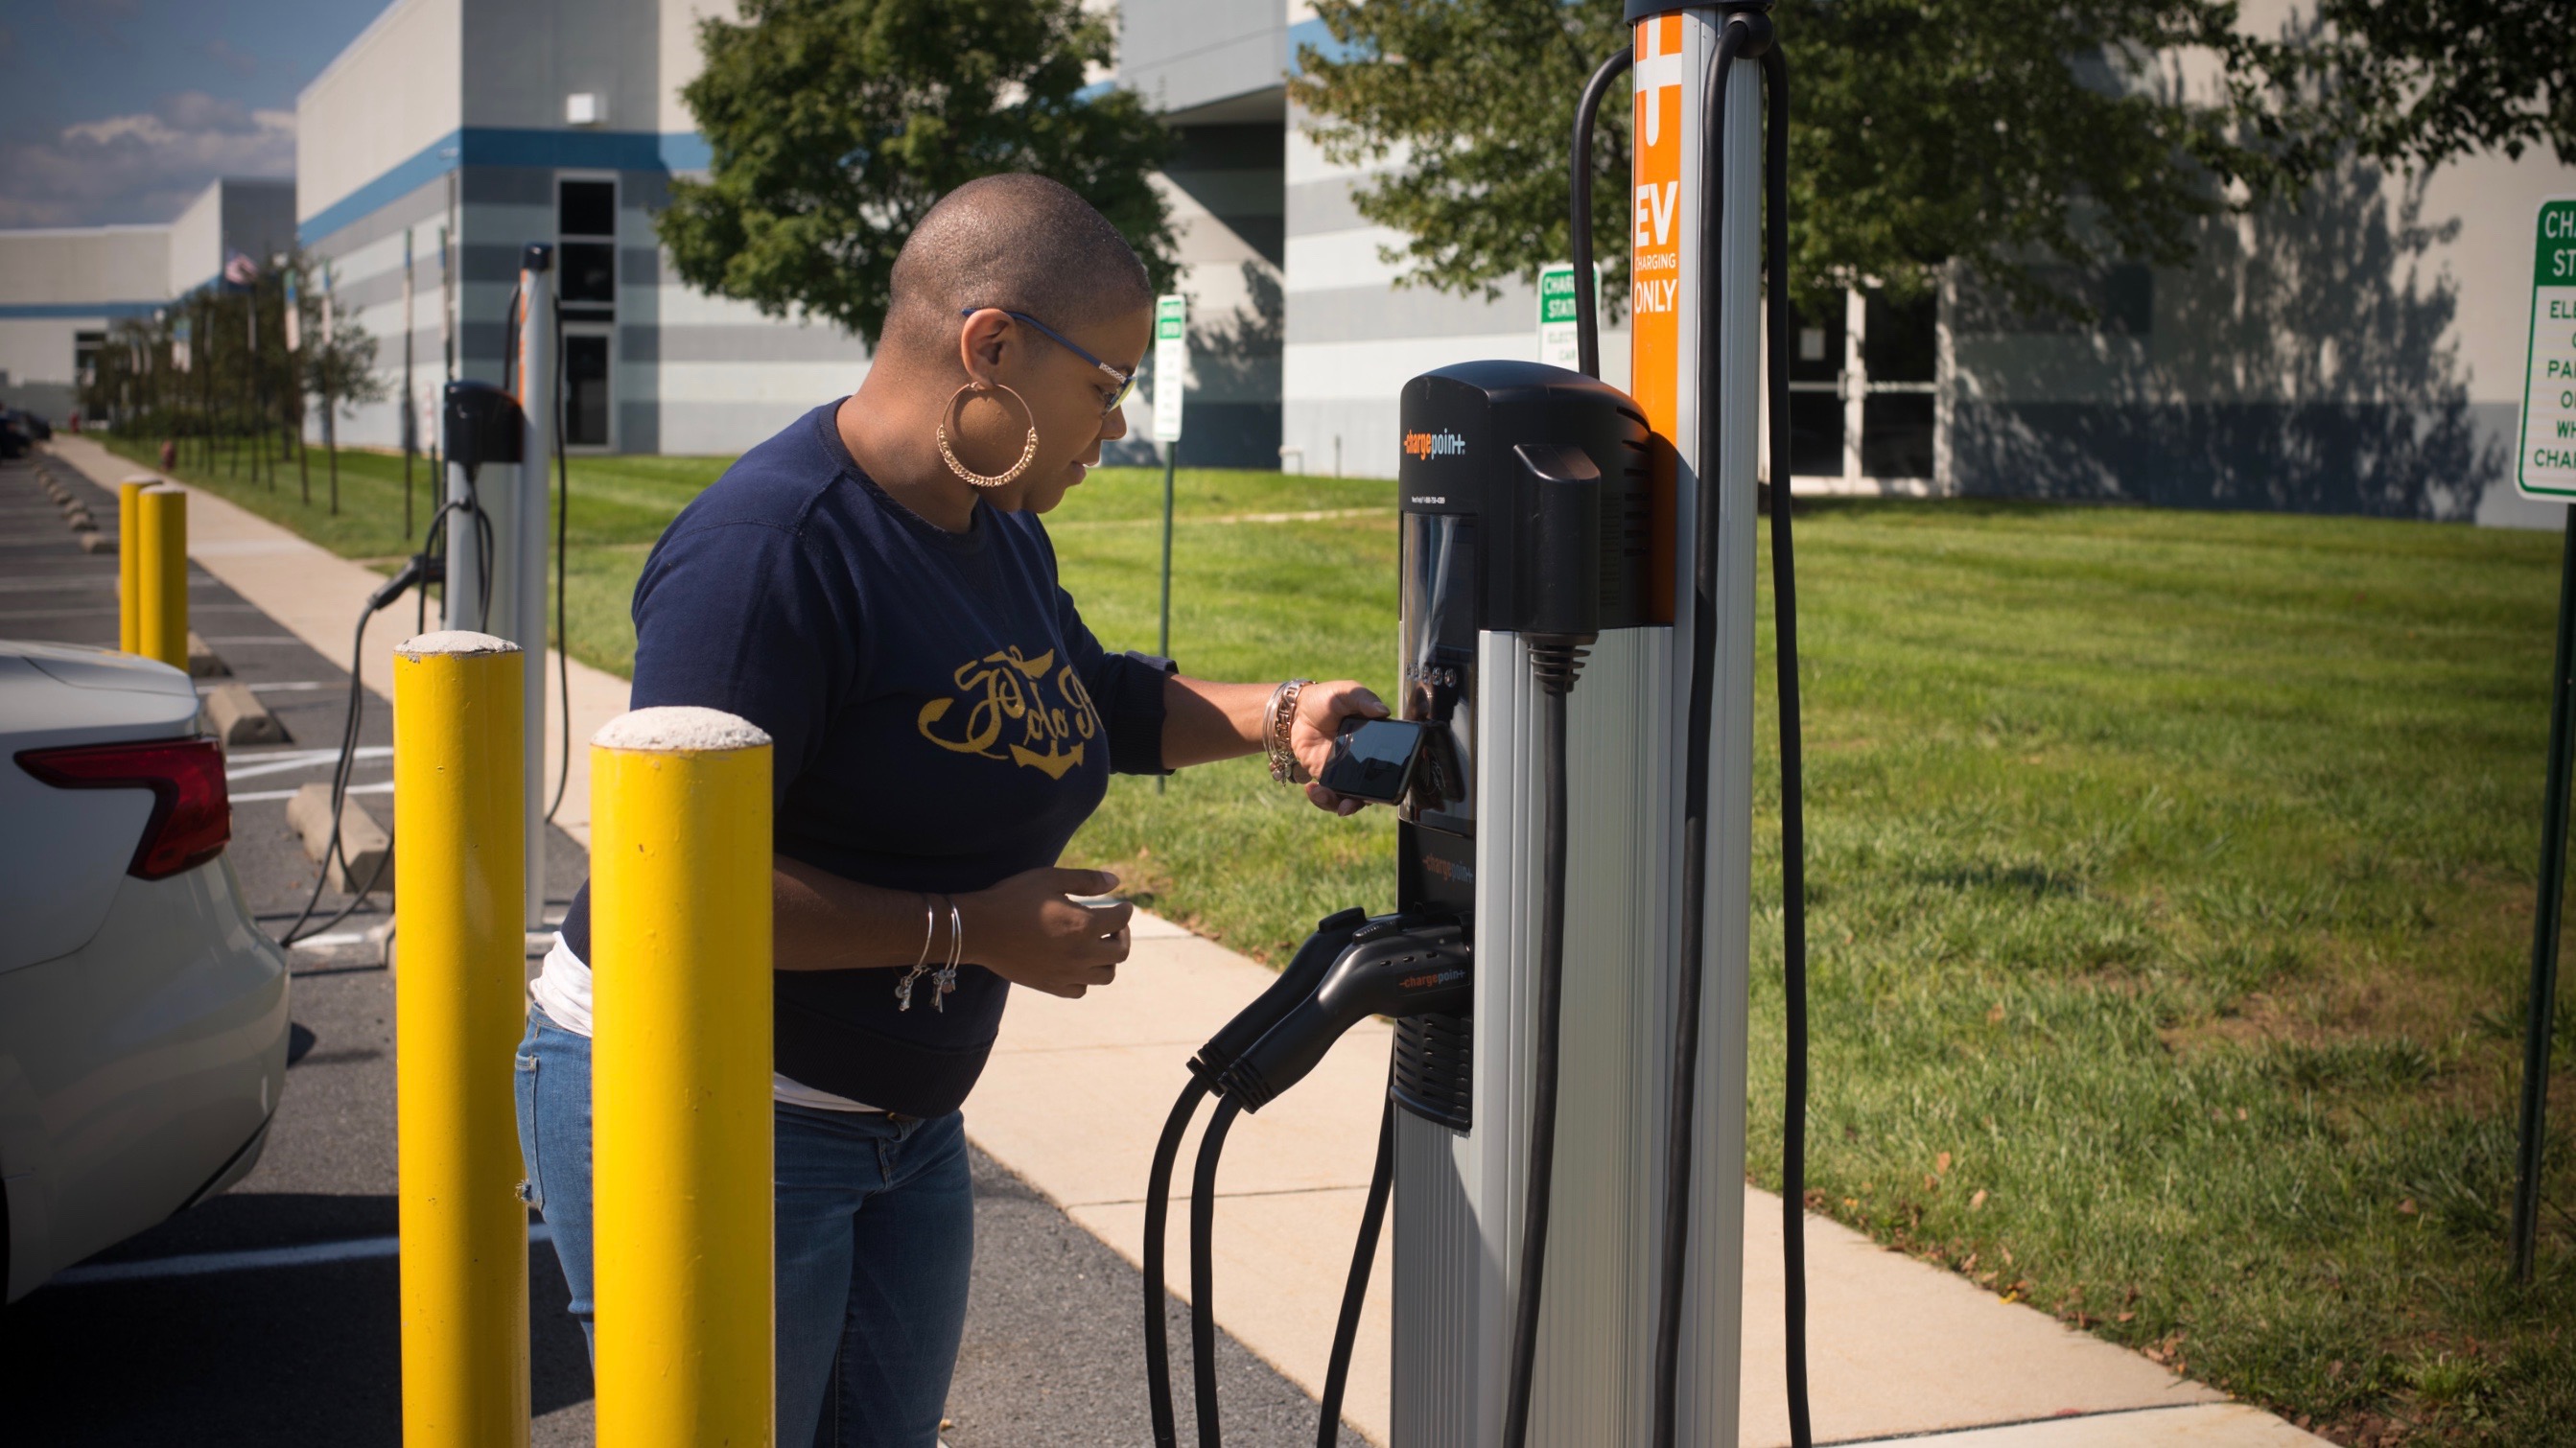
<point>1321,708</point>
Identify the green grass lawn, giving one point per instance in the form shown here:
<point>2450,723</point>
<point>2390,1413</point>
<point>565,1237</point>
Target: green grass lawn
<point>2172,879</point>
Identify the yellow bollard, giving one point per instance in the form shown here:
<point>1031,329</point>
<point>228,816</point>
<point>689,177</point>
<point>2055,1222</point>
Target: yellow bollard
<point>129,563</point>
<point>459,1002</point>
<point>161,575</point>
<point>680,1108</point>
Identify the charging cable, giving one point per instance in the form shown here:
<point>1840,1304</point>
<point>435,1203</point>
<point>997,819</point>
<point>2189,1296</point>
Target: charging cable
<point>418,572</point>
<point>1748,34</point>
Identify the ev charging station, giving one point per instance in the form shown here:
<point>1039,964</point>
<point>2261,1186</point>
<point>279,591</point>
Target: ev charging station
<point>1568,963</point>
<point>498,441</point>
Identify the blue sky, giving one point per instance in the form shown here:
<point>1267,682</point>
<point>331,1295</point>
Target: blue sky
<point>121,110</point>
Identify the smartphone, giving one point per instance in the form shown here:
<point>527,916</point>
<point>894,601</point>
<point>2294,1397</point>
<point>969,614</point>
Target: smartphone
<point>1374,759</point>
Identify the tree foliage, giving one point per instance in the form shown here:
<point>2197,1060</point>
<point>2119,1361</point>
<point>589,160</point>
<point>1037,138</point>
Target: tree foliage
<point>2427,83</point>
<point>2025,137</point>
<point>836,124</point>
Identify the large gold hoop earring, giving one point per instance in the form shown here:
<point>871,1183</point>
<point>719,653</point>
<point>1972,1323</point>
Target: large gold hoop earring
<point>1027,453</point>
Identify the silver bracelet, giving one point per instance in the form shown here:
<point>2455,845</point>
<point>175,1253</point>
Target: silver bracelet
<point>1284,768</point>
<point>947,976</point>
<point>929,926</point>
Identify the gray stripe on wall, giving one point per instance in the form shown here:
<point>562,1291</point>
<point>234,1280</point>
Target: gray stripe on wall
<point>1320,206</point>
<point>1376,314</point>
<point>738,342</point>
<point>2397,460</point>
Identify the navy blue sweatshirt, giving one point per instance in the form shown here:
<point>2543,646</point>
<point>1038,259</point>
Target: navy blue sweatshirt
<point>943,720</point>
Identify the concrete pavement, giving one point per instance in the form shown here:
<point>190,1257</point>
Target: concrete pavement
<point>1077,1090</point>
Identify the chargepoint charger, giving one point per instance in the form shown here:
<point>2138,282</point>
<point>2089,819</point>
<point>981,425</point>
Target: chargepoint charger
<point>1584,850</point>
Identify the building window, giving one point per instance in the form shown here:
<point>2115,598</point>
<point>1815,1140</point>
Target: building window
<point>586,227</point>
<point>1900,357</point>
<point>585,390</point>
<point>1815,395</point>
<point>586,251</point>
<point>1864,390</point>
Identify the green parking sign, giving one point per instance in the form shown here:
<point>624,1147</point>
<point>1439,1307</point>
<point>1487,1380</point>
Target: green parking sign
<point>2545,466</point>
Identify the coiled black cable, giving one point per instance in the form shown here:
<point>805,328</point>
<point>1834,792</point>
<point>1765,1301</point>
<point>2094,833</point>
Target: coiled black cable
<point>1587,320</point>
<point>423,568</point>
<point>1555,670</point>
<point>1203,1271</point>
<point>1158,1212</point>
<point>1793,801</point>
<point>1673,1263</point>
<point>1749,36</point>
<point>340,771</point>
<point>1346,1331</point>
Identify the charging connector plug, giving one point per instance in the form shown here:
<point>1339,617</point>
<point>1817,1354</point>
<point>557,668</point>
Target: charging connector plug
<point>1396,966</point>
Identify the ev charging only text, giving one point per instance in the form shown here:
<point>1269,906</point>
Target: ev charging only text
<point>1657,203</point>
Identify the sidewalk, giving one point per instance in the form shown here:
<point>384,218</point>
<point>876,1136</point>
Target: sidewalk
<point>1077,1091</point>
<point>318,595</point>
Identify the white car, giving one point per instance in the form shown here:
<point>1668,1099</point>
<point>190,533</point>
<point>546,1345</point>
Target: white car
<point>142,1013</point>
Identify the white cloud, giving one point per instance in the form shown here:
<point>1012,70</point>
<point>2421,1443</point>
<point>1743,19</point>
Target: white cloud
<point>141,167</point>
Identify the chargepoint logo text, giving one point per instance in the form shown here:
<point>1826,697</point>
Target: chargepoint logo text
<point>1434,445</point>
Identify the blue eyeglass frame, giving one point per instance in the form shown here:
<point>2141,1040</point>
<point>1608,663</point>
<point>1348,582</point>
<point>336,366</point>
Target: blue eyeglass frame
<point>1126,380</point>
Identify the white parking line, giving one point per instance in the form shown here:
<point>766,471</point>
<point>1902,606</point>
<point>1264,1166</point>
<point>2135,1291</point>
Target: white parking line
<point>199,1264</point>
<point>299,759</point>
<point>256,796</point>
<point>293,688</point>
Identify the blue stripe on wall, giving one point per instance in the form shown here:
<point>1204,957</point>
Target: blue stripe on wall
<point>497,146</point>
<point>19,311</point>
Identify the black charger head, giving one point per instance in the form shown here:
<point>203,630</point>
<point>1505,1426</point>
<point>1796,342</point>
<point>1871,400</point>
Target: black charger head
<point>483,424</point>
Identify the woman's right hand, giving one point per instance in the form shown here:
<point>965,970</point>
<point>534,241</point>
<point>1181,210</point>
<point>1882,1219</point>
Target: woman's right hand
<point>1029,931</point>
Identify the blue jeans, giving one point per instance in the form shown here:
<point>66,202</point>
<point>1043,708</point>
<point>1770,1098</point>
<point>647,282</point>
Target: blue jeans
<point>876,1238</point>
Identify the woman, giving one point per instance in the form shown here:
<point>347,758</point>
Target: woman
<point>872,587</point>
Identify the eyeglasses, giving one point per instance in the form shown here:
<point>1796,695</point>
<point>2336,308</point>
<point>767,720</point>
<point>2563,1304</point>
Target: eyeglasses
<point>1126,380</point>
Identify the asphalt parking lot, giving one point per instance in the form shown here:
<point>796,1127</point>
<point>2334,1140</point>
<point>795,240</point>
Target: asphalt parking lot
<point>267,1315</point>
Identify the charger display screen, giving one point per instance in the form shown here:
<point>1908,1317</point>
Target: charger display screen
<point>1373,759</point>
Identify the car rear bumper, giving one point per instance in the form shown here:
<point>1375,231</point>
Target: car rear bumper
<point>138,1074</point>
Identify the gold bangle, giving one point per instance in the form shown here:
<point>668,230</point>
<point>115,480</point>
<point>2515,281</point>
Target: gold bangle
<point>1284,767</point>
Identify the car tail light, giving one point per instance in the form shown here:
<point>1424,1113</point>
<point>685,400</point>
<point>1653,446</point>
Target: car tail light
<point>192,817</point>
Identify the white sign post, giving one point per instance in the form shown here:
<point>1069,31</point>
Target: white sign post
<point>2545,468</point>
<point>1171,374</point>
<point>1171,364</point>
<point>1559,339</point>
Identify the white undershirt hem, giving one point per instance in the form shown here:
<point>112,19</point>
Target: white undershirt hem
<point>562,991</point>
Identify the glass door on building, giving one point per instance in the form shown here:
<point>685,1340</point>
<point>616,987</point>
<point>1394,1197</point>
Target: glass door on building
<point>1863,390</point>
<point>586,252</point>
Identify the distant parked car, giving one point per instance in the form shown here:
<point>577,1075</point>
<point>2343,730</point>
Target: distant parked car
<point>142,1014</point>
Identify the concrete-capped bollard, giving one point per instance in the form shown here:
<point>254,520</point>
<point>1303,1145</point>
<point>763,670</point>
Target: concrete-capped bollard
<point>681,1196</point>
<point>161,575</point>
<point>459,1007</point>
<point>129,563</point>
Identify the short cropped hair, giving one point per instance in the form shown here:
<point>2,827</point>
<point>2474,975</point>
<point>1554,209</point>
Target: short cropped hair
<point>1016,241</point>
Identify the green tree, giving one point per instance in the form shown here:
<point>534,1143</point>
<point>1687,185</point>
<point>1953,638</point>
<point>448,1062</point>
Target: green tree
<point>2423,84</point>
<point>835,124</point>
<point>339,364</point>
<point>2027,138</point>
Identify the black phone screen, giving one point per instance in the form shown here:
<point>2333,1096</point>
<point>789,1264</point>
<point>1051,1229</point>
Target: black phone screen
<point>1373,759</point>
